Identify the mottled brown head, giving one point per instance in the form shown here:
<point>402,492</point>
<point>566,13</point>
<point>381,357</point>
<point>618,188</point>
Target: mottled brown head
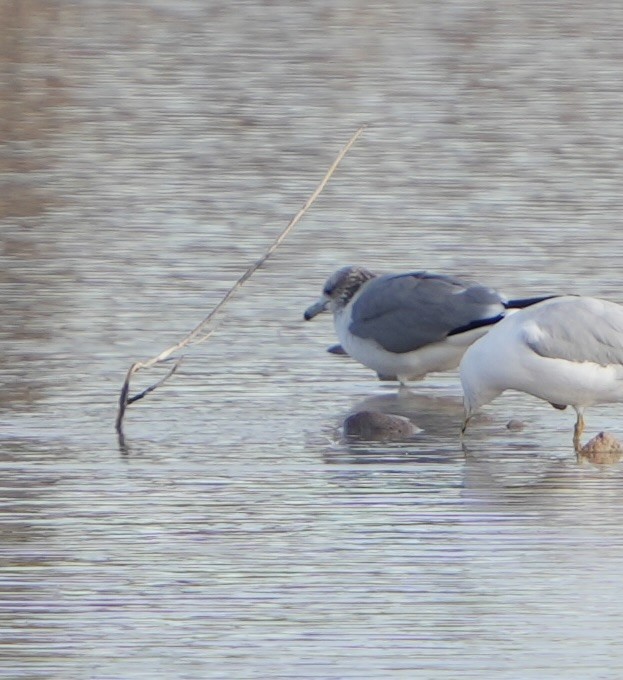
<point>339,290</point>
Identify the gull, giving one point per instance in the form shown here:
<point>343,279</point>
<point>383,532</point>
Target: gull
<point>404,326</point>
<point>567,351</point>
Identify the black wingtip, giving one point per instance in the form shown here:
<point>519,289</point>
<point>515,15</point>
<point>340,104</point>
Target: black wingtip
<point>522,303</point>
<point>478,323</point>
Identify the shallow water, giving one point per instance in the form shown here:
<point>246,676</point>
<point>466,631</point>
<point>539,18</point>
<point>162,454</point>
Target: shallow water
<point>151,152</point>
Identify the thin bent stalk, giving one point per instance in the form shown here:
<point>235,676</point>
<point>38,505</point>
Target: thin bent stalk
<point>195,336</point>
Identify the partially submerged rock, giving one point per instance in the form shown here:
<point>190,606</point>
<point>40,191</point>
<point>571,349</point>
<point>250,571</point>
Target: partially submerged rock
<point>377,426</point>
<point>515,424</point>
<point>337,349</point>
<point>602,449</point>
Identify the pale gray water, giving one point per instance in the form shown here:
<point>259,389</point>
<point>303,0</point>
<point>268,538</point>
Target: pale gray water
<point>152,150</point>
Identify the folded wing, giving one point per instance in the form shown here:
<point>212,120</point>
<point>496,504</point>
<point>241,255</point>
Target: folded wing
<point>577,329</point>
<point>407,311</point>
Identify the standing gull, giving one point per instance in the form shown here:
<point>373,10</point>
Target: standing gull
<point>404,326</point>
<point>567,351</point>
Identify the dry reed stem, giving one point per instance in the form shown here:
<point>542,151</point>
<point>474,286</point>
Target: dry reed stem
<point>192,338</point>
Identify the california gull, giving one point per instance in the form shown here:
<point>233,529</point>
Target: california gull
<point>404,326</point>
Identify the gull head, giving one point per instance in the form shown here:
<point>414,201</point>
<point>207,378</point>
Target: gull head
<point>339,290</point>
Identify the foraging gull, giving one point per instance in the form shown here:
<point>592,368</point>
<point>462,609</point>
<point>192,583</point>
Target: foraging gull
<point>404,326</point>
<point>567,351</point>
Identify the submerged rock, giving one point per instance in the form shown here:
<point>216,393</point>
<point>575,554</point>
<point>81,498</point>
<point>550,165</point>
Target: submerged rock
<point>377,426</point>
<point>515,424</point>
<point>602,449</point>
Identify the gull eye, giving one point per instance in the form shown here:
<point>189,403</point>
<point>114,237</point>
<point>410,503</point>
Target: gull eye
<point>330,287</point>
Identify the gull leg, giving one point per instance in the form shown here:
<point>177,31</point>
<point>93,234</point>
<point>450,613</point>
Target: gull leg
<point>464,448</point>
<point>578,429</point>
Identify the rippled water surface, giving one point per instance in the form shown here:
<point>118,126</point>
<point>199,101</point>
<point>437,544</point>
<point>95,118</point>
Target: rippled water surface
<point>150,152</point>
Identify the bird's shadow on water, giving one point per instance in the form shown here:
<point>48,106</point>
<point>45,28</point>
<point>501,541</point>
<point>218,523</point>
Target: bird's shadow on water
<point>508,473</point>
<point>520,457</point>
<point>437,418</point>
<point>437,415</point>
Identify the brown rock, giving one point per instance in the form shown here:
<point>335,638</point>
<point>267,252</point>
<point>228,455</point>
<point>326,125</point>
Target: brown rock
<point>603,449</point>
<point>377,426</point>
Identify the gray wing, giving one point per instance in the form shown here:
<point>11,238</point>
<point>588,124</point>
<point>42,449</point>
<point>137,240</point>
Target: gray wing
<point>404,312</point>
<point>577,329</point>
